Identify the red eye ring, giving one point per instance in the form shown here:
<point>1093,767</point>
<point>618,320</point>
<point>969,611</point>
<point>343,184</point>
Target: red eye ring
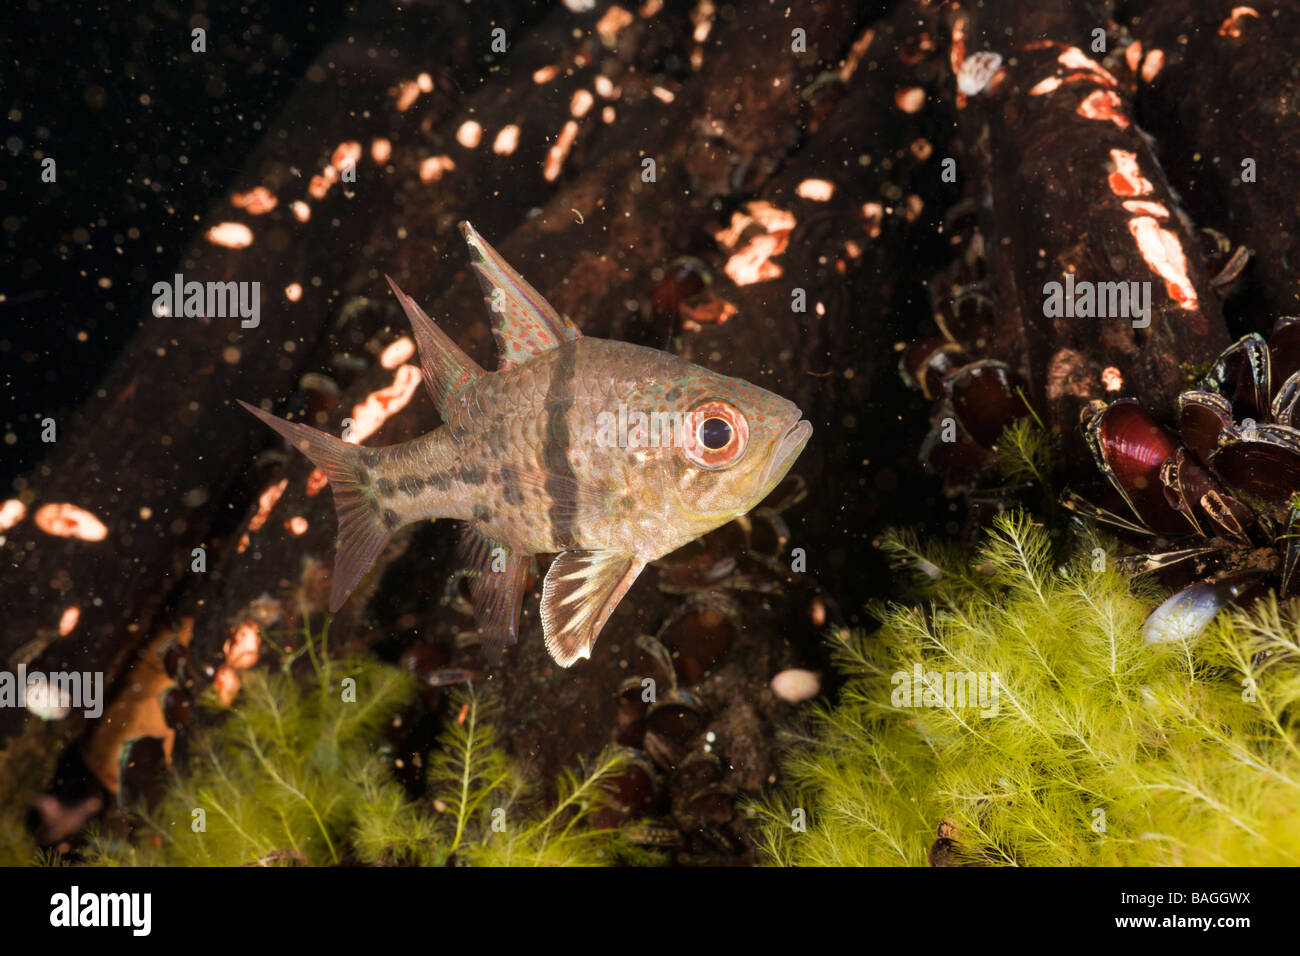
<point>708,424</point>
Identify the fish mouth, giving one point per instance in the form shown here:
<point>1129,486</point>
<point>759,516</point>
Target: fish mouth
<point>785,452</point>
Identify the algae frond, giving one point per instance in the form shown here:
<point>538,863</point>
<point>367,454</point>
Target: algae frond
<point>1095,750</point>
<point>296,774</point>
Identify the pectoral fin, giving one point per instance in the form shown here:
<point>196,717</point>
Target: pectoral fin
<point>581,591</point>
<point>497,577</point>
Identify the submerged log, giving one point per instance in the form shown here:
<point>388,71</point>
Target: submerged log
<point>1078,217</point>
<point>1232,149</point>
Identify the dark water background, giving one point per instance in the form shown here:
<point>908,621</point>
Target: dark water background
<point>146,135</point>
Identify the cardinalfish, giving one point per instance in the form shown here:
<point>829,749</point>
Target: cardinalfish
<point>536,458</point>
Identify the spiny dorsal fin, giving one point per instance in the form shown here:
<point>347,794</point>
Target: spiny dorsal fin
<point>446,368</point>
<point>581,591</point>
<point>523,322</point>
<point>497,577</point>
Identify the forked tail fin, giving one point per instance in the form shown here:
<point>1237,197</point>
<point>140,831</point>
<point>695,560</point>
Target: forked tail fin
<point>362,531</point>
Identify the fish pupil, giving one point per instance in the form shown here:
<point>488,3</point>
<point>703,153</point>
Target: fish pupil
<point>715,433</point>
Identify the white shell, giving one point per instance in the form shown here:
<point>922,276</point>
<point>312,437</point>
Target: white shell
<point>977,72</point>
<point>796,685</point>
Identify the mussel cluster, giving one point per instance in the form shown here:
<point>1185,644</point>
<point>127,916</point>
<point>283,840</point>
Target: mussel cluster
<point>1219,496</point>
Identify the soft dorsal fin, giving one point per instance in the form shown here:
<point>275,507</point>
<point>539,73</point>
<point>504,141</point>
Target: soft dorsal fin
<point>523,322</point>
<point>447,369</point>
<point>582,589</point>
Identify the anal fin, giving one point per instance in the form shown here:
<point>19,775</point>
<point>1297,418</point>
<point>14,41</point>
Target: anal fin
<point>581,591</point>
<point>497,577</point>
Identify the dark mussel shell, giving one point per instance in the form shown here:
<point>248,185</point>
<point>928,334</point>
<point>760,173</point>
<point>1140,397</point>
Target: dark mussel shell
<point>677,715</point>
<point>925,364</point>
<point>1260,463</point>
<point>699,633</point>
<point>1284,348</point>
<point>959,463</point>
<point>986,399</point>
<point>1229,518</point>
<point>1202,417</point>
<point>1242,374</point>
<point>1286,403</point>
<point>1186,483</point>
<point>1130,447</point>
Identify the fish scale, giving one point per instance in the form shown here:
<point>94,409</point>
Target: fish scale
<point>590,449</point>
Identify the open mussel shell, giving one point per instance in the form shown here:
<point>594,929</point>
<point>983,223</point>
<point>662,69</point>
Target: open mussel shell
<point>1242,374</point>
<point>699,633</point>
<point>1229,518</point>
<point>1286,403</point>
<point>1202,417</point>
<point>1284,347</point>
<point>1260,463</point>
<point>634,789</point>
<point>925,364</point>
<point>714,803</point>
<point>677,715</point>
<point>1130,447</point>
<point>986,399</point>
<point>1188,612</point>
<point>651,659</point>
<point>1185,484</point>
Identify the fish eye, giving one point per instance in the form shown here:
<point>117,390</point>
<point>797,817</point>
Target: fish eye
<point>715,436</point>
<point>715,433</point>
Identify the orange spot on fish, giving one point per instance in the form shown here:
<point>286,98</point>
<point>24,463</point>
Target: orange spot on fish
<point>1075,59</point>
<point>256,202</point>
<point>69,521</point>
<point>232,235</point>
<point>68,620</point>
<point>11,512</point>
<point>1046,86</point>
<point>265,502</point>
<point>397,352</point>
